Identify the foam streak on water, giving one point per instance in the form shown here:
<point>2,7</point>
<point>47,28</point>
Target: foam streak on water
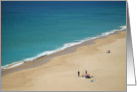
<point>121,28</point>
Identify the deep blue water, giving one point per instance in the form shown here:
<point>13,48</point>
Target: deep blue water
<point>29,28</point>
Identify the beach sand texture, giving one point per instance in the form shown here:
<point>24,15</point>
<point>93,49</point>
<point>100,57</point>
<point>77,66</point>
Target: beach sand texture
<point>60,73</point>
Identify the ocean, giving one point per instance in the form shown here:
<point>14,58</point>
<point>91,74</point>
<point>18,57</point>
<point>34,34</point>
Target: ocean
<point>31,29</point>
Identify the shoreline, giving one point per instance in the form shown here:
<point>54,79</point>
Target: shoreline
<point>108,69</point>
<point>65,46</point>
<point>20,65</point>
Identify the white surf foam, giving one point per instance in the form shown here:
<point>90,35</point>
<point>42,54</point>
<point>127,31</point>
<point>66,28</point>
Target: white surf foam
<point>12,65</point>
<point>62,48</point>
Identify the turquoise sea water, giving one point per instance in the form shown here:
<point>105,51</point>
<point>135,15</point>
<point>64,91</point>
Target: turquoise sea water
<point>31,29</point>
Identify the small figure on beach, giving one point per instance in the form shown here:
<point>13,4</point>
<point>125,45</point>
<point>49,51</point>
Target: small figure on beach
<point>108,51</point>
<point>78,73</point>
<point>86,72</point>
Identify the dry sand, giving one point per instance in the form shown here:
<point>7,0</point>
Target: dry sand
<point>60,73</point>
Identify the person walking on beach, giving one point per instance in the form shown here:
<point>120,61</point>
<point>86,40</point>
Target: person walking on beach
<point>86,71</point>
<point>78,73</point>
<point>108,51</point>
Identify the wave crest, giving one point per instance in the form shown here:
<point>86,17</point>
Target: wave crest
<point>62,48</point>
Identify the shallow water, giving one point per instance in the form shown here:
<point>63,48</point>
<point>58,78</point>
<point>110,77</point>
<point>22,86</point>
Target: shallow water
<point>32,29</point>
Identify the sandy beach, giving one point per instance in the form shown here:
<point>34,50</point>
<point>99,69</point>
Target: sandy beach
<point>58,72</point>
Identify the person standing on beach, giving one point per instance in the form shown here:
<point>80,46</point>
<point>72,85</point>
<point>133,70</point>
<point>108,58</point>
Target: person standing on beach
<point>86,71</point>
<point>78,73</point>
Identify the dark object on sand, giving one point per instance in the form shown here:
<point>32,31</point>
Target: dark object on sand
<point>78,73</point>
<point>87,76</point>
<point>86,71</point>
<point>108,51</point>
